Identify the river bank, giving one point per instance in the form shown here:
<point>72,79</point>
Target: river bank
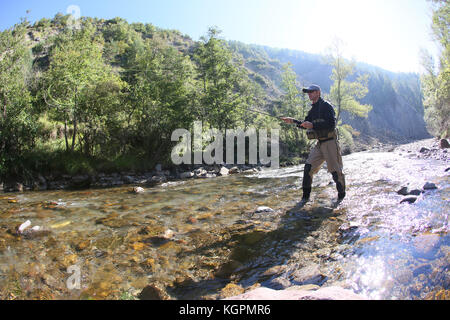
<point>42,182</point>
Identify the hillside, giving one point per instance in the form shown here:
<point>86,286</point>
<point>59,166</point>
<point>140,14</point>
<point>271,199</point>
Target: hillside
<point>396,98</point>
<point>393,95</point>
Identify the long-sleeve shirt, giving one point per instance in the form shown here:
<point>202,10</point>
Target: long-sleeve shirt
<point>322,116</point>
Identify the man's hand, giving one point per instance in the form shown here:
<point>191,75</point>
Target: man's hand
<point>288,120</point>
<point>307,125</point>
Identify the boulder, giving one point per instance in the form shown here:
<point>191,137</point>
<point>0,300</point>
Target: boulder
<point>327,293</point>
<point>424,150</point>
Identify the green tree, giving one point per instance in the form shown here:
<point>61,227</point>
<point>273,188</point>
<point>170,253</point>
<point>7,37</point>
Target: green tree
<point>223,83</point>
<point>343,93</point>
<point>161,98</point>
<point>18,126</point>
<point>293,103</point>
<point>436,80</point>
<point>76,75</point>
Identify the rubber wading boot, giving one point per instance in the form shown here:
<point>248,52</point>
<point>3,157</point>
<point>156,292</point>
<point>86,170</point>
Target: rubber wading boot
<point>339,186</point>
<point>307,182</point>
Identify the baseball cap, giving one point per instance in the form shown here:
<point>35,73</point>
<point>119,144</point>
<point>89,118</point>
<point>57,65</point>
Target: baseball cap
<point>311,88</point>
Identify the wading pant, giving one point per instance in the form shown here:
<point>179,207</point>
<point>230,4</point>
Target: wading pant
<point>330,152</point>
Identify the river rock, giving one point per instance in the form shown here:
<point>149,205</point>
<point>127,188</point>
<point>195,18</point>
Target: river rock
<point>138,190</point>
<point>185,175</point>
<point>308,275</point>
<point>80,182</point>
<point>224,171</point>
<point>424,150</point>
<point>424,244</point>
<point>415,192</point>
<point>409,200</point>
<point>280,283</point>
<point>152,292</point>
<point>403,191</point>
<point>328,293</point>
<point>200,172</point>
<point>429,186</point>
<point>444,144</point>
<point>231,290</point>
<point>234,170</point>
<point>264,209</point>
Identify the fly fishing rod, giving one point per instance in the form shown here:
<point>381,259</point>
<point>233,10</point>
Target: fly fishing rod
<point>297,122</point>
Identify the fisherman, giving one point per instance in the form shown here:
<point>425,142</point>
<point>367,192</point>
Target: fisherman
<point>321,125</point>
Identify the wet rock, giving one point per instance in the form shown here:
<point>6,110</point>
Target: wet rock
<point>80,246</point>
<point>233,170</point>
<point>224,171</point>
<point>227,269</point>
<point>306,287</point>
<point>137,190</point>
<point>149,264</point>
<point>309,275</point>
<point>442,294</point>
<point>153,292</point>
<point>231,290</point>
<point>100,254</point>
<point>444,144</point>
<point>253,237</point>
<point>429,186</point>
<point>200,172</point>
<point>280,283</point>
<point>186,175</point>
<point>274,270</point>
<point>403,191</point>
<point>263,209</point>
<point>80,182</point>
<point>12,187</point>
<point>424,150</point>
<point>424,244</point>
<point>422,269</point>
<point>415,192</point>
<point>409,200</point>
<point>191,220</point>
<point>156,241</point>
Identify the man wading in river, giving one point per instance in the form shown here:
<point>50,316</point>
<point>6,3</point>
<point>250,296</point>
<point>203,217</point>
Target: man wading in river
<point>321,125</point>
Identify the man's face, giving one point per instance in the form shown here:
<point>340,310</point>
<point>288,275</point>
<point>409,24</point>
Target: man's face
<point>314,96</point>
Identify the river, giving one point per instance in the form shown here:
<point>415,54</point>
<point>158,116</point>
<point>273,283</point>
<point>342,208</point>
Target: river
<point>192,238</point>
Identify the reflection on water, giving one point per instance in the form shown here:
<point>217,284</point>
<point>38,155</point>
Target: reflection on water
<point>191,238</point>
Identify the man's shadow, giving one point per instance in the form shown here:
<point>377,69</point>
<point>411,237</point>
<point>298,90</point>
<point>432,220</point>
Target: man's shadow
<point>255,253</point>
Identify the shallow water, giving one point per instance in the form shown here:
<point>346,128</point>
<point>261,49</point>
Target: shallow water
<point>191,238</point>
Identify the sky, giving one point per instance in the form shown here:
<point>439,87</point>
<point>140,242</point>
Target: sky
<point>385,33</point>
